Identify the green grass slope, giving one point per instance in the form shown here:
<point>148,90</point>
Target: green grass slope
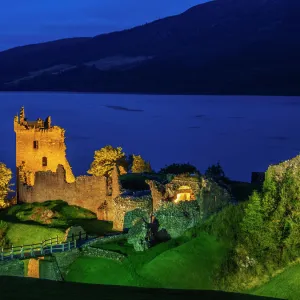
<point>188,266</point>
<point>53,213</point>
<point>174,264</point>
<point>284,285</point>
<point>36,289</point>
<point>100,271</point>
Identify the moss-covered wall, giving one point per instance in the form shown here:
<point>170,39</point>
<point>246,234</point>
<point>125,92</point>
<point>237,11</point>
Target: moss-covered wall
<point>12,268</point>
<point>65,259</point>
<point>124,205</point>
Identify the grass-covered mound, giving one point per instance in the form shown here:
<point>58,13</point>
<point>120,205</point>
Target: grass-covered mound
<point>188,266</point>
<point>36,289</point>
<point>24,234</point>
<point>162,266</point>
<point>34,222</point>
<point>55,214</point>
<point>284,285</point>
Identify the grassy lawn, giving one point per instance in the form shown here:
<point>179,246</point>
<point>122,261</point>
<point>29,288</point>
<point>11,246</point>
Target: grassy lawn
<point>284,285</point>
<point>190,264</point>
<point>34,222</point>
<point>100,271</point>
<point>22,234</point>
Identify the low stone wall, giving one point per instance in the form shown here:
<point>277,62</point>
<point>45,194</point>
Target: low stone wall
<point>105,240</point>
<point>97,252</point>
<point>12,268</point>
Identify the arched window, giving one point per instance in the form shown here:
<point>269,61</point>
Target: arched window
<point>44,161</point>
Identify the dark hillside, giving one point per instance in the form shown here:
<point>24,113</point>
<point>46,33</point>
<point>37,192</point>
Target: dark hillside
<point>223,46</point>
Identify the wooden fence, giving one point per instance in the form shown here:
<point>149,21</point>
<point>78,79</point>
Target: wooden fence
<point>46,247</point>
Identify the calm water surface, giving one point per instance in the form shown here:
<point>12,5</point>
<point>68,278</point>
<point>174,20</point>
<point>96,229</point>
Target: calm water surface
<point>244,133</point>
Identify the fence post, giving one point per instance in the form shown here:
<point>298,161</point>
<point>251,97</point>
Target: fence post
<point>12,252</point>
<point>51,246</point>
<point>41,248</point>
<point>69,245</point>
<point>75,243</point>
<point>22,252</point>
<point>2,256</point>
<point>31,251</point>
<point>63,247</point>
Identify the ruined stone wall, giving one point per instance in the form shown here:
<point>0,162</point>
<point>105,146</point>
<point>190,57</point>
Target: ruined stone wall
<point>123,205</point>
<point>51,144</point>
<point>157,192</point>
<point>87,191</point>
<point>105,210</point>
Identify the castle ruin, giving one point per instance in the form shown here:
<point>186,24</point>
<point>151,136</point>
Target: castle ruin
<point>44,173</point>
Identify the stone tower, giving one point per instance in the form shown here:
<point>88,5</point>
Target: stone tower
<point>39,147</point>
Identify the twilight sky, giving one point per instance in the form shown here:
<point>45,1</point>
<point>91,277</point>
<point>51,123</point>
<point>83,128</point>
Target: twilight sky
<point>33,21</point>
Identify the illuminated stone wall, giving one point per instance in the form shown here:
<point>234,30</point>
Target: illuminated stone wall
<point>86,191</point>
<point>157,192</point>
<point>187,188</point>
<point>39,147</point>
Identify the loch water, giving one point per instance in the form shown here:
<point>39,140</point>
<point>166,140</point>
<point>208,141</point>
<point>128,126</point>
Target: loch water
<point>244,133</point>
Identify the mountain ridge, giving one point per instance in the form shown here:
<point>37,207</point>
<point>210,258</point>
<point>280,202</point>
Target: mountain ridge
<point>221,46</point>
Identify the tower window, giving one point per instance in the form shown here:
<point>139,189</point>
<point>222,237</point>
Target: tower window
<point>44,161</point>
<point>35,144</point>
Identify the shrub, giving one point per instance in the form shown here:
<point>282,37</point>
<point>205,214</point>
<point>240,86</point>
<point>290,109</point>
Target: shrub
<point>5,178</point>
<point>131,217</point>
<point>177,218</point>
<point>177,169</point>
<point>105,159</point>
<point>3,229</point>
<point>226,223</point>
<point>139,165</point>
<point>137,236</point>
<point>216,172</point>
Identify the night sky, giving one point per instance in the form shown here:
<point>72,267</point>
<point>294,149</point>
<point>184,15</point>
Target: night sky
<point>34,21</point>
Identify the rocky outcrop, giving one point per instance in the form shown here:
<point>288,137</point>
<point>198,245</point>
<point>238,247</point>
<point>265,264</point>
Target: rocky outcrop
<point>74,230</point>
